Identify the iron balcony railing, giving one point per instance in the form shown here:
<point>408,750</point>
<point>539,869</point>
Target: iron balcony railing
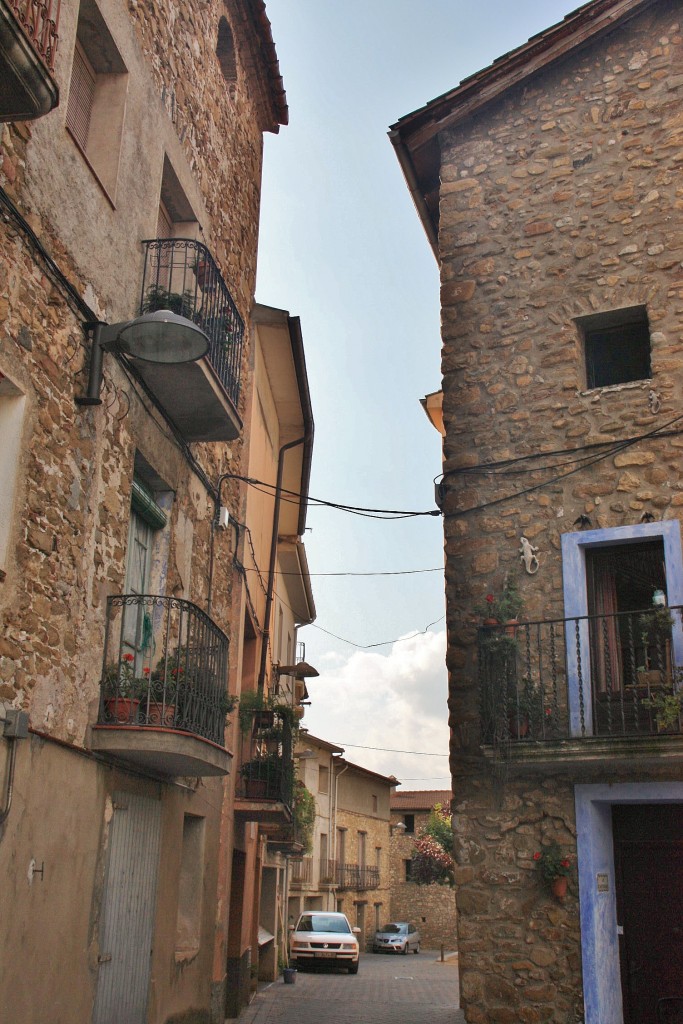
<point>589,676</point>
<point>40,21</point>
<point>165,666</point>
<point>181,275</point>
<point>267,767</point>
<point>357,876</point>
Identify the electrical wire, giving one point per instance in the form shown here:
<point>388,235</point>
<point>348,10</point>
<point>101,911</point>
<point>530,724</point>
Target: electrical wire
<point>390,750</point>
<point>394,572</point>
<point>590,461</point>
<point>384,643</point>
<point>296,496</point>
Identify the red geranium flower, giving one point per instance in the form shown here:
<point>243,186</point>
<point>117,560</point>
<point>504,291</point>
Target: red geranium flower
<point>565,863</point>
<point>490,598</point>
<point>537,856</point>
<point>128,657</point>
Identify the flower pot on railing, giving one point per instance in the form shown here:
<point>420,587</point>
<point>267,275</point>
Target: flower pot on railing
<point>121,710</point>
<point>558,888</point>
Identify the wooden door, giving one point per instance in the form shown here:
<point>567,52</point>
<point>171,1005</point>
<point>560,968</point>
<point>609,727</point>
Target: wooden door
<point>648,851</point>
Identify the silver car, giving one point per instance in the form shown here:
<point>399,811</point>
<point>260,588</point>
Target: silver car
<point>397,937</point>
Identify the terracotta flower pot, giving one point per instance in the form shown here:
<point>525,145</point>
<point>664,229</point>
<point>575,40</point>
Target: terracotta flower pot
<point>121,710</point>
<point>558,887</point>
<point>161,714</point>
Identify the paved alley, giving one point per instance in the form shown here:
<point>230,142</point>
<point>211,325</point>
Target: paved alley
<point>386,990</point>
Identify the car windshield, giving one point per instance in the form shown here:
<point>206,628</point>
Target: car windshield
<point>323,923</point>
<point>395,929</point>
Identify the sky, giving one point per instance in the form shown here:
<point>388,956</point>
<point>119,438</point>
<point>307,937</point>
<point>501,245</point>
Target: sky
<point>341,246</point>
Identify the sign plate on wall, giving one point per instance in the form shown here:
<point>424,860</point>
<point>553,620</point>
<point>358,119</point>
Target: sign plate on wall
<point>602,879</point>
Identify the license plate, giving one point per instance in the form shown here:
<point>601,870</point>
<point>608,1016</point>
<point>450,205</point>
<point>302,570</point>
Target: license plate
<point>326,954</point>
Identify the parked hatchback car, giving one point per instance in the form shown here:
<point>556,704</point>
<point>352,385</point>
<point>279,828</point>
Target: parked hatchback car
<point>324,938</point>
<point>397,937</point>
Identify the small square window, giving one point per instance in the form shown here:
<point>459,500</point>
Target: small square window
<point>616,346</point>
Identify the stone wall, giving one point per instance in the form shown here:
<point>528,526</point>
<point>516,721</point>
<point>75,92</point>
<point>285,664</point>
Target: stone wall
<point>560,200</point>
<point>430,907</point>
<point>377,837</point>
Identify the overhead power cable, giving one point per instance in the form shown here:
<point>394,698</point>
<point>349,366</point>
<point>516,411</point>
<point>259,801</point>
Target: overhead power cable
<point>295,496</point>
<point>389,750</point>
<point>393,572</point>
<point>384,643</point>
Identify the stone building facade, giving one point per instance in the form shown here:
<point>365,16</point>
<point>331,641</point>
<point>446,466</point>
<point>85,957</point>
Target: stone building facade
<point>122,477</point>
<point>348,868</point>
<point>548,185</point>
<point>430,907</point>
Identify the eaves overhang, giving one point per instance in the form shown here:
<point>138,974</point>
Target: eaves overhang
<point>415,137</point>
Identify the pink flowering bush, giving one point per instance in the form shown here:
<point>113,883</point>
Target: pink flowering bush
<point>432,860</point>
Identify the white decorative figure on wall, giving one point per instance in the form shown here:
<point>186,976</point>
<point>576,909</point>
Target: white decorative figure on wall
<point>528,554</point>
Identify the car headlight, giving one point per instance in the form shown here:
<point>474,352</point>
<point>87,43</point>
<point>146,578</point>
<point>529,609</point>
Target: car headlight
<point>348,945</point>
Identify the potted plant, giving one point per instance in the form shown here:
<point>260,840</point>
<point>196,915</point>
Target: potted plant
<point>263,777</point>
<point>506,608</point>
<point>555,868</point>
<point>158,297</point>
<point>667,710</point>
<point>654,631</point>
<point>122,690</point>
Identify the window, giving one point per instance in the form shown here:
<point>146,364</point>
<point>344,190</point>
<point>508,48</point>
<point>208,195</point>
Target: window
<point>12,403</point>
<point>323,854</point>
<point>616,346</point>
<point>362,844</point>
<point>323,778</point>
<point>409,822</point>
<point>374,803</point>
<point>97,96</point>
<point>225,51</point>
<point>190,885</point>
<point>378,857</point>
<point>408,867</point>
<point>341,845</point>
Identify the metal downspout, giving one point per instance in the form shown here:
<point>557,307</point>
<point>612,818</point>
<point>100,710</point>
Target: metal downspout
<point>273,555</point>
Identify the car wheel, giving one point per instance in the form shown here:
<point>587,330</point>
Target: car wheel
<point>417,948</point>
<point>353,968</point>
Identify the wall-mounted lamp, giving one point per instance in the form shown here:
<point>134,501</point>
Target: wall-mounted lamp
<point>158,337</point>
<point>304,755</point>
<point>301,671</point>
<point>397,826</point>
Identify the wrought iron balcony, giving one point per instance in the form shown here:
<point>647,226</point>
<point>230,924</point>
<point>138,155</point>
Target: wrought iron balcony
<point>28,44</point>
<point>264,788</point>
<point>202,398</point>
<point>585,679</point>
<point>163,691</point>
<point>357,877</point>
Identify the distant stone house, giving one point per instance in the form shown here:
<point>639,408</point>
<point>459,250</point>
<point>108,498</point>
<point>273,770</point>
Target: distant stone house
<point>430,907</point>
<point>549,188</point>
<point>348,868</point>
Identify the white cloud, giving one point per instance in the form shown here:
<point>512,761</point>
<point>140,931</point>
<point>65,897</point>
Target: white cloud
<point>395,701</point>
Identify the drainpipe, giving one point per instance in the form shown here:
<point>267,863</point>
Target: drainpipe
<point>334,820</point>
<point>273,554</point>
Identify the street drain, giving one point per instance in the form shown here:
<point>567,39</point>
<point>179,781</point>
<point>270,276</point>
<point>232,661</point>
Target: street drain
<point>403,977</point>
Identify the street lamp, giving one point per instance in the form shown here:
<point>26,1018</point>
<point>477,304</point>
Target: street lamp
<point>158,337</point>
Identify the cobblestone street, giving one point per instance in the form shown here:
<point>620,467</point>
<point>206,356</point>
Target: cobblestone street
<point>386,990</point>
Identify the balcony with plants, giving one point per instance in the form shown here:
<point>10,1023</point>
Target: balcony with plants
<point>583,688</point>
<point>202,398</point>
<point>163,687</point>
<point>265,786</point>
<point>29,30</point>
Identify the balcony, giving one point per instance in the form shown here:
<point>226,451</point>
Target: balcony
<point>28,44</point>
<point>357,877</point>
<point>163,691</point>
<point>583,689</point>
<point>264,788</point>
<point>301,872</point>
<point>201,398</point>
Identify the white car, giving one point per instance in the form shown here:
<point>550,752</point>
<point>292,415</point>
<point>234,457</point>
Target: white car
<point>322,937</point>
